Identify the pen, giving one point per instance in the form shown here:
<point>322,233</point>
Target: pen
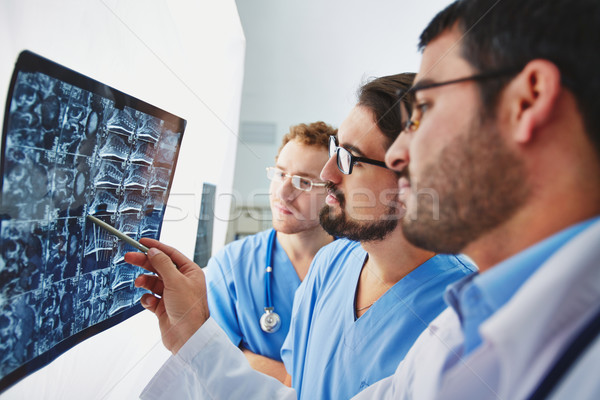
<point>118,233</point>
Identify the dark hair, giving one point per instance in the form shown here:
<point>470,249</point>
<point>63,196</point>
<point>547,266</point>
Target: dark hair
<point>380,95</point>
<point>510,33</point>
<point>315,134</point>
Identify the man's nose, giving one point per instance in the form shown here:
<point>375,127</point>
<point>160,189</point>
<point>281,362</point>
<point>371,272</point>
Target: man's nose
<point>330,171</point>
<point>397,157</point>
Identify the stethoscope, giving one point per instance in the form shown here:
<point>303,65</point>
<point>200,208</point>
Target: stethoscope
<point>269,321</point>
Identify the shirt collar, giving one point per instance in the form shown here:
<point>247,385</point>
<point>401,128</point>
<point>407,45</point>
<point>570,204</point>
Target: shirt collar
<point>501,282</point>
<point>453,291</point>
<point>476,297</point>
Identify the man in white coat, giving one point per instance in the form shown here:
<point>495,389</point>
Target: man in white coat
<point>506,131</point>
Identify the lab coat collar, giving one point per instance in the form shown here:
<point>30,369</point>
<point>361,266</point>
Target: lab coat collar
<point>529,332</point>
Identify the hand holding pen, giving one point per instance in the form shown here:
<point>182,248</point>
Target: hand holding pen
<point>179,287</point>
<point>178,296</point>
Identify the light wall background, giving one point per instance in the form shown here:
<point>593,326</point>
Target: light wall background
<point>184,56</point>
<point>304,62</point>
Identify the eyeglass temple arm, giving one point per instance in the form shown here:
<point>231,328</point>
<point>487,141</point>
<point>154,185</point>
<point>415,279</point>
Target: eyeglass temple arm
<point>369,161</point>
<point>477,77</point>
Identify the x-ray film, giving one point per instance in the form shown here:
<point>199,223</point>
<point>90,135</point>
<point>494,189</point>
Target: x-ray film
<point>72,146</point>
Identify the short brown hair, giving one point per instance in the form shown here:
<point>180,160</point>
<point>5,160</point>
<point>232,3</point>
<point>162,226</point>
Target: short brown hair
<point>380,95</point>
<point>315,134</point>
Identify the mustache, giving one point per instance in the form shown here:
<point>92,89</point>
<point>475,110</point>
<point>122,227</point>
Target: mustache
<point>405,173</point>
<point>333,189</point>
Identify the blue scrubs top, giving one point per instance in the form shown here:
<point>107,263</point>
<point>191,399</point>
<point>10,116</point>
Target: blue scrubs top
<point>235,280</point>
<point>332,355</point>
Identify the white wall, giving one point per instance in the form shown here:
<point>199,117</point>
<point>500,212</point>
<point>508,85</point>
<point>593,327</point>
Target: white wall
<point>306,59</point>
<point>183,56</point>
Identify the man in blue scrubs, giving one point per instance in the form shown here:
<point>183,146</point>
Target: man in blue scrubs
<point>236,276</point>
<point>367,297</point>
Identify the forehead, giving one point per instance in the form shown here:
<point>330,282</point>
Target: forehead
<point>296,157</point>
<point>360,131</point>
<point>442,59</point>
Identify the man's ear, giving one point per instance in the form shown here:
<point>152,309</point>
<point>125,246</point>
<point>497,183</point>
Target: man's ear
<point>533,96</point>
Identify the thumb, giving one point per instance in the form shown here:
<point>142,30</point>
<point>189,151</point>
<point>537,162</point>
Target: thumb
<point>163,264</point>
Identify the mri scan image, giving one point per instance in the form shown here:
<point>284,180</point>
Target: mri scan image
<point>73,147</point>
<point>26,192</point>
<point>22,256</point>
<point>143,153</point>
<point>20,330</point>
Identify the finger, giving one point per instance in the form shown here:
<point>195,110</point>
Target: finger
<point>163,265</point>
<point>176,256</point>
<point>150,282</point>
<point>139,259</point>
<point>149,242</point>
<point>149,302</point>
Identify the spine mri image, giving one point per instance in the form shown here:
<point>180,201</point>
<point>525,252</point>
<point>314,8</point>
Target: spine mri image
<point>72,147</point>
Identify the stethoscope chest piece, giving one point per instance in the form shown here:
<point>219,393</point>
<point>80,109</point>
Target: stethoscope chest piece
<point>270,321</point>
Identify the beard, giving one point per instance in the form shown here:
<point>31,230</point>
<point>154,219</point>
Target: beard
<point>340,224</point>
<point>480,183</point>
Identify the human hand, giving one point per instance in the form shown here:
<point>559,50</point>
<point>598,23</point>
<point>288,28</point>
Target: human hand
<point>182,306</point>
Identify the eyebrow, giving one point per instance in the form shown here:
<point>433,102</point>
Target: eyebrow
<point>353,149</point>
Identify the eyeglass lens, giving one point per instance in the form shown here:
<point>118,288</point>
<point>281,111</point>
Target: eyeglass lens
<point>332,146</point>
<point>298,182</point>
<point>301,183</point>
<point>344,158</point>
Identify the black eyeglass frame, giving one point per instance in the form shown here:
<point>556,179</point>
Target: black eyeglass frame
<point>477,77</point>
<point>334,148</point>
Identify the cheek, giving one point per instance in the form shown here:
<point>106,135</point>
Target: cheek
<point>312,203</point>
<point>420,149</point>
<point>320,199</point>
<point>388,194</point>
<point>273,189</point>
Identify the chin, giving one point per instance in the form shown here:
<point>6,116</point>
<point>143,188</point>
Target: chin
<point>292,228</point>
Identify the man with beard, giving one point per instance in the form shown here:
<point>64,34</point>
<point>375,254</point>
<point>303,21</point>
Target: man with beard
<point>506,130</point>
<point>368,296</point>
<point>365,299</point>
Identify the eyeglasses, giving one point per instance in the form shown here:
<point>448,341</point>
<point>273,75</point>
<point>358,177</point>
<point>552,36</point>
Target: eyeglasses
<point>345,159</point>
<point>413,124</point>
<point>299,182</point>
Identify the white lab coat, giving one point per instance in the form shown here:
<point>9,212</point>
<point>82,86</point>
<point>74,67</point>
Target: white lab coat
<point>520,342</point>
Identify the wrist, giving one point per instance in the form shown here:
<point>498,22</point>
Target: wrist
<point>186,327</point>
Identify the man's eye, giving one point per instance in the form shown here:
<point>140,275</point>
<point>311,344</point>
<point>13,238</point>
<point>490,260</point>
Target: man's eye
<point>279,175</point>
<point>421,109</point>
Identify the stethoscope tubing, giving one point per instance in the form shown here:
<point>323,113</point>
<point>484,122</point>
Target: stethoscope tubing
<point>269,322</point>
<point>269,267</point>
